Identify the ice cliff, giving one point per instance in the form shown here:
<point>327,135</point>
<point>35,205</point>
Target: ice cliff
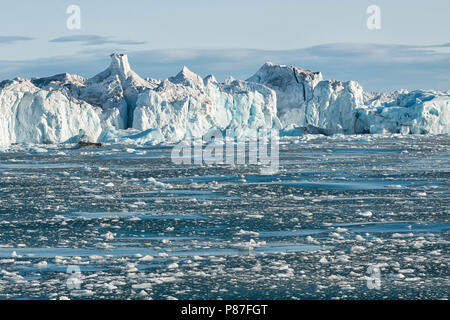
<point>313,105</point>
<point>118,105</point>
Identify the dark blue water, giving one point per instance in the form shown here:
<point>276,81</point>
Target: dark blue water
<point>337,206</point>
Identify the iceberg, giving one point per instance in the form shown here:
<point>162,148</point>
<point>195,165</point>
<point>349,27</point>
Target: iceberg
<point>417,112</point>
<point>305,100</point>
<point>117,105</point>
<point>29,114</point>
<point>114,90</point>
<point>188,106</point>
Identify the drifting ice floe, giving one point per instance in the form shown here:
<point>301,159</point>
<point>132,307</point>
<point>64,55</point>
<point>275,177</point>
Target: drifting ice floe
<point>117,105</point>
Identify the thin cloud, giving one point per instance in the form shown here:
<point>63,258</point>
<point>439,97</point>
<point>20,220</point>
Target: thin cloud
<point>376,67</point>
<point>4,40</point>
<point>95,40</point>
<point>443,45</point>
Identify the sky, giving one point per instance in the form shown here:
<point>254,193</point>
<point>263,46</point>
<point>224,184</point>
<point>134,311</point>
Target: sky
<point>233,38</point>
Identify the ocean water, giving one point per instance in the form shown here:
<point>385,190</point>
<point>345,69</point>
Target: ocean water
<point>346,217</point>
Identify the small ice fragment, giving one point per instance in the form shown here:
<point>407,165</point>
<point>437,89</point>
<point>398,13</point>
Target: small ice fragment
<point>143,293</point>
<point>357,249</point>
<point>109,236</point>
<point>146,258</point>
<point>323,260</point>
<point>366,214</point>
<point>41,265</point>
<point>173,266</point>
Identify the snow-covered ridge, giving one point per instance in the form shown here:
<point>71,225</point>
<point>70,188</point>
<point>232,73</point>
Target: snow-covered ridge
<point>117,104</point>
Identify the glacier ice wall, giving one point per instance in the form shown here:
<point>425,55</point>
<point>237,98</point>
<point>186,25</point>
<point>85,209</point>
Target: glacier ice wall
<point>118,105</point>
<point>333,106</point>
<point>32,115</point>
<point>189,106</point>
<point>294,88</point>
<point>417,112</point>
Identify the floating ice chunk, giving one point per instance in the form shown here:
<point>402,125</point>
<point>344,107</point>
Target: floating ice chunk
<point>82,293</point>
<point>254,244</point>
<point>134,219</point>
<point>336,235</point>
<point>435,253</point>
<point>147,286</point>
<point>109,236</point>
<point>108,286</point>
<point>146,258</point>
<point>156,183</point>
<point>244,232</point>
<point>131,268</point>
<point>343,259</point>
<point>394,186</point>
<point>365,214</point>
<point>357,249</point>
<point>41,265</point>
<point>312,240</point>
<point>96,257</point>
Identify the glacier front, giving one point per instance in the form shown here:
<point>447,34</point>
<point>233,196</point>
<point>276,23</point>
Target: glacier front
<point>118,105</point>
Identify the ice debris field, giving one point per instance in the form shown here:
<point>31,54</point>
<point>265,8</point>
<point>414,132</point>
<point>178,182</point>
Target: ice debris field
<point>132,224</point>
<point>117,105</point>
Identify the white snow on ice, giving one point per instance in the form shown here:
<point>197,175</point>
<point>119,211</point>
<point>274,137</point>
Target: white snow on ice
<point>117,105</point>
